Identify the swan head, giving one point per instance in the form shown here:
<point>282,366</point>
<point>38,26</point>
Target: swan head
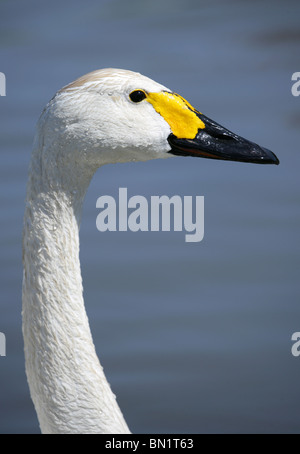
<point>114,115</point>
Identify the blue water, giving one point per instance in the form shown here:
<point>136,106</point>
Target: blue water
<point>193,337</point>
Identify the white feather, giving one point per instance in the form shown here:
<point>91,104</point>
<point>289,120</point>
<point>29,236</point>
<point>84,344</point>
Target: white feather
<point>88,123</point>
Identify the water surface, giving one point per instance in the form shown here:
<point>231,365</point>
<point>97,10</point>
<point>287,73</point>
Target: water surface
<point>194,337</point>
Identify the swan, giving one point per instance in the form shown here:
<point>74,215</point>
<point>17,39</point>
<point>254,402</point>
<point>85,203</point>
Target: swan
<point>106,116</point>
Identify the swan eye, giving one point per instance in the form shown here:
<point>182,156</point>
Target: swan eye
<point>137,95</point>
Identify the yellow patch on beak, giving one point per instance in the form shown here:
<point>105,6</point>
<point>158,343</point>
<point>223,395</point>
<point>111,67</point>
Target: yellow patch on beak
<point>180,115</point>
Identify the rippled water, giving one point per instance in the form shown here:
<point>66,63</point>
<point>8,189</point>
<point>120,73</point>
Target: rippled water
<point>194,337</point>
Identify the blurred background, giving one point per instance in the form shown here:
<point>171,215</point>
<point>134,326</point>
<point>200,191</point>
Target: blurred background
<point>193,337</point>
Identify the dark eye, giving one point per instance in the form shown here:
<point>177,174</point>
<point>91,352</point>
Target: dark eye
<point>137,95</point>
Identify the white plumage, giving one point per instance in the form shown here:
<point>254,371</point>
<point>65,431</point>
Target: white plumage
<point>84,126</point>
<point>91,122</point>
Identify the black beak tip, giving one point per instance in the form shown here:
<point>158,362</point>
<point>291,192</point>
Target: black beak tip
<point>269,157</point>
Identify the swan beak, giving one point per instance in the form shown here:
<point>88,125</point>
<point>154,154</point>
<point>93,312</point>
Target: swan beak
<point>215,142</point>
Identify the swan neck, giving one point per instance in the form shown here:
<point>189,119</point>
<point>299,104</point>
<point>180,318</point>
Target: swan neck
<point>66,380</point>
